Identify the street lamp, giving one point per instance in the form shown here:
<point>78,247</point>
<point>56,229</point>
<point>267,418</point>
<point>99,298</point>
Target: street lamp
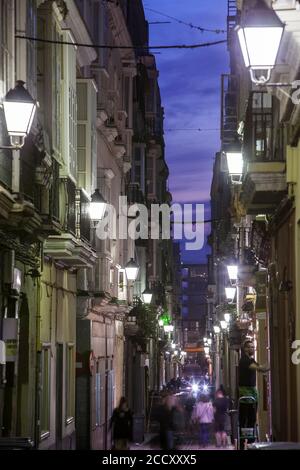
<point>235,165</point>
<point>227,317</point>
<point>223,324</point>
<point>260,33</point>
<point>206,349</point>
<point>168,328</point>
<point>97,206</point>
<point>132,270</point>
<point>160,323</point>
<point>217,329</point>
<point>230,293</point>
<point>232,272</point>
<point>19,109</point>
<point>147,296</point>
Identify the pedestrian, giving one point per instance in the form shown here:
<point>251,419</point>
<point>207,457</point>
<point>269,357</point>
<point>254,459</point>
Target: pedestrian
<point>121,424</point>
<point>221,410</point>
<point>204,414</point>
<point>166,421</point>
<point>247,385</point>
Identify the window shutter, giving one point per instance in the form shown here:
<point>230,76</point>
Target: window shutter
<point>69,110</point>
<point>86,137</point>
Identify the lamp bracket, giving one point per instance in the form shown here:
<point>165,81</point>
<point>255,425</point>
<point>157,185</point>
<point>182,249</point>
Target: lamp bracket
<point>262,80</point>
<point>16,143</point>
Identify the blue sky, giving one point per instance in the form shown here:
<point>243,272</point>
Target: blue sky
<point>190,87</point>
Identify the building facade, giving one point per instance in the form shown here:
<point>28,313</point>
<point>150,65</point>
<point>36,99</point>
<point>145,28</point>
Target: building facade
<point>262,226</point>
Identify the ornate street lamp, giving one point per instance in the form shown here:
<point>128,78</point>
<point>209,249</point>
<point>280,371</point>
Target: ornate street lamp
<point>232,273</point>
<point>97,206</point>
<point>168,328</point>
<point>19,109</point>
<point>230,293</point>
<point>227,317</point>
<point>132,270</point>
<point>260,33</point>
<point>147,296</point>
<point>235,165</point>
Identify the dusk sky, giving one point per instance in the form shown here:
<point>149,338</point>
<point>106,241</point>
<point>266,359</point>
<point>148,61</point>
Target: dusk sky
<point>190,88</point>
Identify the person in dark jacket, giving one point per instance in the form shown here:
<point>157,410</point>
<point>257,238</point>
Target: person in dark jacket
<point>121,423</point>
<point>221,408</point>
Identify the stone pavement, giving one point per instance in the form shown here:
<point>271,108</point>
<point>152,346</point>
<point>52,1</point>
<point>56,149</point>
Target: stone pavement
<point>151,442</point>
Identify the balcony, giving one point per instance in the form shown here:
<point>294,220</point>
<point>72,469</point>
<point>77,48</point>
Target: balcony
<point>264,186</point>
<point>135,194</point>
<point>229,119</point>
<point>70,251</point>
<point>110,130</point>
<point>264,148</point>
<point>72,247</point>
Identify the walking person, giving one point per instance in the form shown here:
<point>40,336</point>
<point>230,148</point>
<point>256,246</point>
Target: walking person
<point>221,409</point>
<point>166,421</point>
<point>204,413</point>
<point>121,424</point>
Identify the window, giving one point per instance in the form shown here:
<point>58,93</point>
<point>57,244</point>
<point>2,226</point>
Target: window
<point>69,109</point>
<point>45,391</point>
<point>56,91</point>
<point>150,97</point>
<point>86,134</point>
<point>151,180</point>
<point>6,36</point>
<point>31,52</point>
<point>70,383</point>
<point>98,397</point>
<point>138,168</point>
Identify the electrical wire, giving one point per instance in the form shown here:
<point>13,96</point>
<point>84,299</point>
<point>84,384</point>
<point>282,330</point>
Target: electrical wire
<point>199,28</point>
<point>193,222</point>
<point>102,46</point>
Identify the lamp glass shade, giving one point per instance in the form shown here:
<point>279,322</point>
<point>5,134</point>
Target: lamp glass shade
<point>217,329</point>
<point>260,46</point>
<point>147,296</point>
<point>259,35</point>
<point>206,349</point>
<point>97,206</point>
<point>230,293</point>
<point>223,324</point>
<point>232,272</point>
<point>132,270</point>
<point>19,110</point>
<point>227,317</point>
<point>235,163</point>
<point>209,341</point>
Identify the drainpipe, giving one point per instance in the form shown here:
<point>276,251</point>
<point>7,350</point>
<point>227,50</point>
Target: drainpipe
<point>37,420</point>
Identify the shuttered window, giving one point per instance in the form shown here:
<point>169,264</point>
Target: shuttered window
<point>69,109</point>
<point>86,135</point>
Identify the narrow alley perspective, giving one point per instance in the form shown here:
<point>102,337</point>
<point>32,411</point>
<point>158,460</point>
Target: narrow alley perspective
<point>149,230</point>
